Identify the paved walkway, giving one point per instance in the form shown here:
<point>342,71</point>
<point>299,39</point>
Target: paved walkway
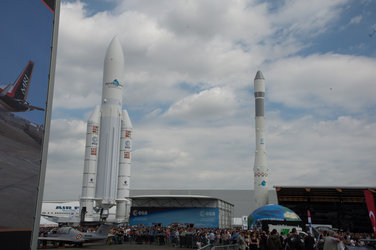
<point>126,246</point>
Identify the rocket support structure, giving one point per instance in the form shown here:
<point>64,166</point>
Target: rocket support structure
<point>260,169</point>
<point>108,147</point>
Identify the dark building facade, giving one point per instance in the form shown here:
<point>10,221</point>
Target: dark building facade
<point>344,208</point>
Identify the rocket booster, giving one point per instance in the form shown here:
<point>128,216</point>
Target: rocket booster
<point>260,169</point>
<point>108,146</point>
<point>90,164</point>
<point>122,204</point>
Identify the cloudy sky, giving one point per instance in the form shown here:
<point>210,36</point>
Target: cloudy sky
<point>189,70</point>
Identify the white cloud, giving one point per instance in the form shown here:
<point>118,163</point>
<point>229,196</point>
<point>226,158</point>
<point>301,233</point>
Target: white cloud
<point>356,20</point>
<point>183,157</point>
<point>209,104</point>
<point>334,152</point>
<point>65,159</point>
<point>202,43</point>
<point>323,82</point>
<point>170,158</point>
<point>307,18</point>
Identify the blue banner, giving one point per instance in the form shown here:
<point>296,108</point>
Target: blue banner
<point>200,217</point>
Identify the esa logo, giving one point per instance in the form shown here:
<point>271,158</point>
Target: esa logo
<point>139,213</point>
<point>207,213</point>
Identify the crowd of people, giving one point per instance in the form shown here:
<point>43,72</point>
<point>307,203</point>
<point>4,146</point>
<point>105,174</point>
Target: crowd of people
<point>250,239</point>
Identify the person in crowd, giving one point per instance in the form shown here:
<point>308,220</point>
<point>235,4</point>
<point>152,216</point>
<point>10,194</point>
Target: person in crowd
<point>234,237</point>
<point>241,241</point>
<point>293,241</point>
<point>254,241</point>
<point>321,241</point>
<point>282,238</point>
<point>274,242</point>
<point>247,238</point>
<point>175,238</point>
<point>226,237</point>
<point>309,242</point>
<point>211,238</point>
<point>331,242</point>
<point>263,240</point>
<point>218,239</point>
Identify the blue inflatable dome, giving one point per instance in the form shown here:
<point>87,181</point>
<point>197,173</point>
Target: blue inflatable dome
<point>274,213</point>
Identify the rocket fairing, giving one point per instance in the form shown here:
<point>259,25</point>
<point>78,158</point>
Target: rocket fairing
<point>107,162</point>
<point>260,169</point>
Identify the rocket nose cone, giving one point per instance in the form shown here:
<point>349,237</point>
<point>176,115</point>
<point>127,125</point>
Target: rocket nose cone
<point>114,42</point>
<point>115,51</point>
<point>126,119</point>
<point>113,62</point>
<point>259,75</point>
<point>95,116</point>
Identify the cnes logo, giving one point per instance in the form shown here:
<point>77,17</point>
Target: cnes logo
<point>139,212</point>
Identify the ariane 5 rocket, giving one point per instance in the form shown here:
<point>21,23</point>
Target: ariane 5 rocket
<point>260,169</point>
<point>107,163</point>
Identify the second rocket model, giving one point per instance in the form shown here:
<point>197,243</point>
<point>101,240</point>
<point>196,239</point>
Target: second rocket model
<point>260,169</point>
<point>108,147</point>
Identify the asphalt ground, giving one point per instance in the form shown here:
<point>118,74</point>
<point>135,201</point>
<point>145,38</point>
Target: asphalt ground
<point>125,246</point>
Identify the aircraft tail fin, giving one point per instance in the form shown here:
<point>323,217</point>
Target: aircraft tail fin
<point>103,230</point>
<point>21,85</point>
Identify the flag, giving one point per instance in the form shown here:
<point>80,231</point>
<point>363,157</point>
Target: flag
<point>95,129</point>
<point>93,151</point>
<point>127,155</point>
<point>309,220</point>
<point>371,208</point>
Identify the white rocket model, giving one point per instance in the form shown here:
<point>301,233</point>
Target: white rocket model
<point>107,165</point>
<point>260,169</point>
